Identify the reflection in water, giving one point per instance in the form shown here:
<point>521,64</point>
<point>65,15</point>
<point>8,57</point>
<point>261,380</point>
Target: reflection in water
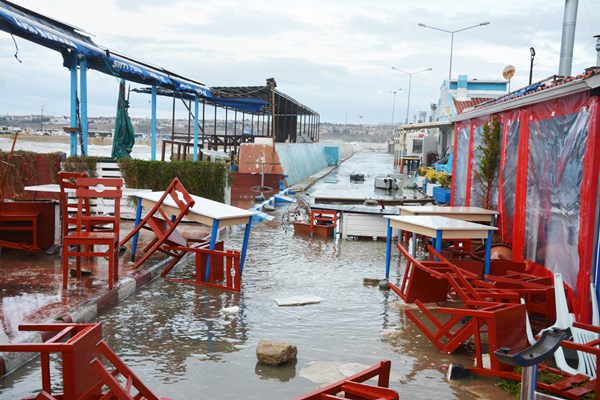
<point>168,323</point>
<point>282,373</point>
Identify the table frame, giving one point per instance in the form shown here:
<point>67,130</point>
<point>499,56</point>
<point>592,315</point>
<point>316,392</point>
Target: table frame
<point>438,228</point>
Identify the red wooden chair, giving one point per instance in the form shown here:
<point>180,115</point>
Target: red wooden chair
<point>163,226</point>
<point>83,242</point>
<point>84,376</point>
<point>425,280</point>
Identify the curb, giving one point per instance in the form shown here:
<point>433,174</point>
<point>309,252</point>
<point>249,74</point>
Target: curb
<point>126,287</point>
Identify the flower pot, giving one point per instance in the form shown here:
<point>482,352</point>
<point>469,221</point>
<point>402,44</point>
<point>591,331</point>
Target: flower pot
<point>430,187</point>
<point>321,230</point>
<point>419,180</point>
<point>441,195</point>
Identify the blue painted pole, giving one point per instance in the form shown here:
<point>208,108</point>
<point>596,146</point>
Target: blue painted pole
<point>213,241</point>
<point>138,218</point>
<point>438,241</point>
<point>388,250</point>
<point>73,71</point>
<point>196,105</point>
<point>488,252</point>
<point>153,139</point>
<point>83,105</point>
<point>245,245</point>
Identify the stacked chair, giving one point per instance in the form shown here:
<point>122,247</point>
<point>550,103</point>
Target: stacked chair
<point>494,312</point>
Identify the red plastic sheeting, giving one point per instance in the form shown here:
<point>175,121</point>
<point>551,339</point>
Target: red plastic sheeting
<point>547,185</point>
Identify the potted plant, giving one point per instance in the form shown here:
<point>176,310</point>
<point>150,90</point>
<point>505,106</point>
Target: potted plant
<point>432,177</point>
<point>420,176</point>
<point>442,194</point>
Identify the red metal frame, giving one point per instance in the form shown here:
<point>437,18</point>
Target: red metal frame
<point>355,390</point>
<point>326,216</point>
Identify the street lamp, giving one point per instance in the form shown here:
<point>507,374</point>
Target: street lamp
<point>42,119</point>
<point>394,106</point>
<point>452,38</point>
<point>410,74</point>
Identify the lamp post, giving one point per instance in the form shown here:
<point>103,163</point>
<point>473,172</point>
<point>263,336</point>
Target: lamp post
<point>532,51</point>
<point>42,119</point>
<point>394,106</point>
<point>410,74</point>
<point>482,23</point>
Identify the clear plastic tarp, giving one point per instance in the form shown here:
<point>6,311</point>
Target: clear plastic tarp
<point>554,177</point>
<point>459,177</point>
<point>510,164</point>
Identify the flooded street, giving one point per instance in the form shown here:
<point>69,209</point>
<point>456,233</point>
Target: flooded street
<point>183,344</point>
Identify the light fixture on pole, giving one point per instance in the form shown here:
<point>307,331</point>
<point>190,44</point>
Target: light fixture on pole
<point>532,51</point>
<point>410,74</point>
<point>482,23</point>
<point>394,106</point>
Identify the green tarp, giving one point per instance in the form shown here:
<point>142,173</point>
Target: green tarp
<point>123,137</point>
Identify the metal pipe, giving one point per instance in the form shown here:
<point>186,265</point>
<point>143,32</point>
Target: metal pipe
<point>597,50</point>
<point>568,37</point>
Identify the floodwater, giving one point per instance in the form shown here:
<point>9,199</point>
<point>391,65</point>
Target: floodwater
<point>182,343</point>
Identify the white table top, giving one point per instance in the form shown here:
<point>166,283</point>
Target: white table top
<point>436,222</point>
<point>416,210</point>
<point>204,211</point>
<point>55,188</point>
<point>432,225</point>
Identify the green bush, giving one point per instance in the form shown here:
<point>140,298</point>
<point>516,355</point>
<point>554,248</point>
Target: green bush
<point>431,175</point>
<point>444,179</point>
<point>204,179</point>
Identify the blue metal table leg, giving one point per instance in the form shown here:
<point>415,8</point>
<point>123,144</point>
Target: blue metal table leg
<point>138,218</point>
<point>488,252</point>
<point>388,250</point>
<point>438,241</point>
<point>213,241</point>
<point>245,245</point>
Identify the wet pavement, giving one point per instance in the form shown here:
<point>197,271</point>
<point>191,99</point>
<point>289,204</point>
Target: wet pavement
<point>191,342</point>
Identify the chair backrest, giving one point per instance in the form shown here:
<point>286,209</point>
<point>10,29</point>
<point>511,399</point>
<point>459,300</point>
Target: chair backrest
<point>68,200</point>
<point>90,189</point>
<point>175,200</point>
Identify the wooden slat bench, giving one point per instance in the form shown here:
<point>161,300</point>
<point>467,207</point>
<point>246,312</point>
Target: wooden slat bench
<point>20,221</point>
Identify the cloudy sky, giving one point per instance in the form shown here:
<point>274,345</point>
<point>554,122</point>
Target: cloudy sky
<point>335,56</point>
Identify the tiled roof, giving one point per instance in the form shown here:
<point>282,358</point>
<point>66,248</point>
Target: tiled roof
<point>461,105</point>
<point>550,82</point>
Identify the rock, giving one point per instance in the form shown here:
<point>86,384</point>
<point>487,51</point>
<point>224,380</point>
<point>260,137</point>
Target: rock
<point>275,353</point>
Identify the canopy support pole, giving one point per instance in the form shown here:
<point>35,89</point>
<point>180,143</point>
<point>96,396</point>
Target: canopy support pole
<point>153,139</point>
<point>196,109</point>
<point>83,108</point>
<point>73,71</point>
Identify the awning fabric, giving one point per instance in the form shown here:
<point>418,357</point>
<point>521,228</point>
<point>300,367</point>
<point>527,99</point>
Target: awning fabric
<point>66,39</point>
<point>244,104</point>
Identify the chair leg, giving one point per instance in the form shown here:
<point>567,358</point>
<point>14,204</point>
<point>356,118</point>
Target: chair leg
<point>65,264</point>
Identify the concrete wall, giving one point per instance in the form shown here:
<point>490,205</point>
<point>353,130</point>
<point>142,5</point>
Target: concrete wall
<point>296,160</point>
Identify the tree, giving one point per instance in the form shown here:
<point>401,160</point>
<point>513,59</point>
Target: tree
<point>488,161</point>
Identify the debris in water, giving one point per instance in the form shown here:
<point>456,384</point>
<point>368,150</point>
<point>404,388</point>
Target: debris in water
<point>297,300</point>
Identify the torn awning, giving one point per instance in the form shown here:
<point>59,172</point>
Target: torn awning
<point>67,40</point>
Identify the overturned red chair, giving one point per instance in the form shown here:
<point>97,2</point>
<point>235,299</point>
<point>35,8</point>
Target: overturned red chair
<point>162,221</point>
<point>83,374</point>
<point>354,388</point>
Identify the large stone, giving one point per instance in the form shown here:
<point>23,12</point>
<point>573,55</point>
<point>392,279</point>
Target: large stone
<point>275,353</point>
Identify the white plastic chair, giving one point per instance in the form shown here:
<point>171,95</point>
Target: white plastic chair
<point>586,362</point>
